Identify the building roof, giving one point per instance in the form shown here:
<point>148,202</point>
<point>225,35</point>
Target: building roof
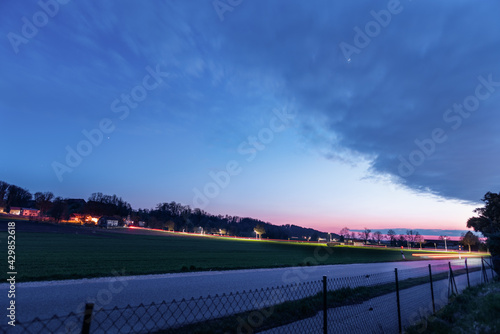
<point>19,208</point>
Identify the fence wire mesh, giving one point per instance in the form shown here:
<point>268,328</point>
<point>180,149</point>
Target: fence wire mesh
<point>364,304</point>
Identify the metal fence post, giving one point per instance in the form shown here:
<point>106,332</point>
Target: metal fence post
<point>325,307</point>
<point>483,269</point>
<point>432,290</point>
<point>491,267</point>
<point>467,271</point>
<point>87,318</point>
<point>397,298</point>
<point>451,283</point>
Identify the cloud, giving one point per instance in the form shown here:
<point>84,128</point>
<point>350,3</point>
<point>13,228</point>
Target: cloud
<point>395,92</point>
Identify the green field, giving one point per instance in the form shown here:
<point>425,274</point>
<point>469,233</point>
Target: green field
<point>48,256</point>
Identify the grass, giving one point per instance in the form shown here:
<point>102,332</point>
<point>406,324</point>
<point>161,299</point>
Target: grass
<point>476,310</point>
<point>49,256</point>
<point>284,313</point>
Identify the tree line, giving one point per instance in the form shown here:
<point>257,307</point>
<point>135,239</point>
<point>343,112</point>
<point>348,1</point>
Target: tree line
<point>411,238</point>
<point>169,216</point>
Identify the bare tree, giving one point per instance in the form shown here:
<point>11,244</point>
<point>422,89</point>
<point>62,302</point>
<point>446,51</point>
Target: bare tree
<point>43,201</point>
<point>420,239</point>
<point>378,236</point>
<point>366,234</point>
<point>17,196</point>
<point>392,237</point>
<point>345,233</point>
<point>411,235</point>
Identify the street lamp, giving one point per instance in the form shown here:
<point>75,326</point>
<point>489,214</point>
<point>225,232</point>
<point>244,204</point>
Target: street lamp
<point>445,247</point>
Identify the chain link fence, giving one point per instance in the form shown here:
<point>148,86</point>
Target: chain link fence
<point>377,303</point>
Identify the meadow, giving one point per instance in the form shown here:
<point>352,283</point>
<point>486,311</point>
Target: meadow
<point>49,256</point>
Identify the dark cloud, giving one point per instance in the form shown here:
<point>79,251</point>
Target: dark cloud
<point>396,90</point>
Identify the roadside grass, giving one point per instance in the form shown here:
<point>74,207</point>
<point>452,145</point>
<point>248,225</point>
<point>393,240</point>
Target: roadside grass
<point>476,310</point>
<point>280,314</point>
<point>54,256</point>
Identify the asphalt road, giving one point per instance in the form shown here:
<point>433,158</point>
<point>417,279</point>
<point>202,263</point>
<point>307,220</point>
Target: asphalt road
<point>45,299</point>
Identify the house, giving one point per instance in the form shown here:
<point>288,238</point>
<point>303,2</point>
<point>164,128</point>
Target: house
<point>27,212</point>
<point>83,219</point>
<point>16,210</point>
<point>30,212</point>
<point>76,218</point>
<point>128,221</point>
<point>108,222</point>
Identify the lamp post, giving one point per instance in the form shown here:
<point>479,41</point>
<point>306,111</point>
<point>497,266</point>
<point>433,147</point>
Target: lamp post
<point>445,247</point>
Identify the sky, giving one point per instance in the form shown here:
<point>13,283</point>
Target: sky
<point>322,114</point>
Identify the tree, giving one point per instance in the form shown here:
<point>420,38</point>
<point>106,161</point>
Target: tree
<point>469,239</point>
<point>259,231</point>
<point>488,223</point>
<point>378,236</point>
<point>402,240</point>
<point>420,239</point>
<point>345,233</point>
<point>3,192</point>
<point>410,236</point>
<point>366,234</point>
<point>59,209</point>
<point>392,237</point>
<point>43,201</point>
<point>169,226</point>
<point>17,196</point>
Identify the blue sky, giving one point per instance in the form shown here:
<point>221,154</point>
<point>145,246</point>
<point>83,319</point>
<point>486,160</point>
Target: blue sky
<point>320,113</point>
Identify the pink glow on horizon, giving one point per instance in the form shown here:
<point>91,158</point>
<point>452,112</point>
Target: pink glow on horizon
<point>358,223</point>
